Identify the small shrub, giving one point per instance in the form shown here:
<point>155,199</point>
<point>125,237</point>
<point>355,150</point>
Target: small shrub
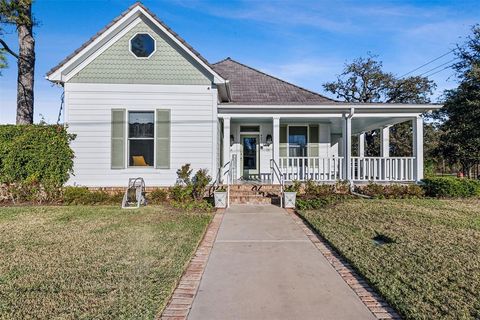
<point>181,193</point>
<point>83,196</point>
<point>315,196</point>
<point>391,191</point>
<point>158,196</point>
<point>184,174</point>
<point>315,190</point>
<point>317,203</point>
<point>200,182</point>
<point>450,187</point>
<point>116,198</point>
<point>342,187</point>
<point>295,186</point>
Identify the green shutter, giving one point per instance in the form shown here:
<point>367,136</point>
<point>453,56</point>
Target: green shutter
<point>313,140</point>
<point>118,139</point>
<point>283,141</point>
<point>162,139</point>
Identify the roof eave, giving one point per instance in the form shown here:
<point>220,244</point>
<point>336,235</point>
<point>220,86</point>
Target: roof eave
<point>329,108</point>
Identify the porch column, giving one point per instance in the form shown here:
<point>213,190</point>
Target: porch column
<point>418,148</point>
<point>385,142</point>
<point>276,139</point>
<point>361,145</point>
<point>226,141</point>
<point>347,147</point>
<point>276,143</point>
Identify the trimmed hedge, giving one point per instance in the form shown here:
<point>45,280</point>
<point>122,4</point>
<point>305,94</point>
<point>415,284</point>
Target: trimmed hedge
<point>450,187</point>
<point>35,160</point>
<point>83,196</point>
<point>35,152</point>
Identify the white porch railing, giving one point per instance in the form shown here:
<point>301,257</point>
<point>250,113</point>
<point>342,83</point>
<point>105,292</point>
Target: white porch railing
<point>382,168</point>
<point>311,168</point>
<point>400,169</point>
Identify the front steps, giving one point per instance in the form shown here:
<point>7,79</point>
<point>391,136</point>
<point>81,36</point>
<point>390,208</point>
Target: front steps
<point>254,194</point>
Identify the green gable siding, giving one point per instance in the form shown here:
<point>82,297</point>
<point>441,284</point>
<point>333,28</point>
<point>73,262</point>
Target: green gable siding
<point>168,65</point>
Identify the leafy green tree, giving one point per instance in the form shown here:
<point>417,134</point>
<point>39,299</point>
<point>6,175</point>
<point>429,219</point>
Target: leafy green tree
<point>364,81</point>
<point>19,14</point>
<point>460,116</point>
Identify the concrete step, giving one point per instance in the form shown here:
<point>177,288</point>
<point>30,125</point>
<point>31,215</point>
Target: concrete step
<point>265,188</point>
<point>253,192</point>
<point>250,200</point>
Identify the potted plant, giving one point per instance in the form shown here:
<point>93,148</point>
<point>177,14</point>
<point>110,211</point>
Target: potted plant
<point>290,195</point>
<point>220,196</point>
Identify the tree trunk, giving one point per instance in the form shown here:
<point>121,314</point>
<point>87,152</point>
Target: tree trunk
<point>26,68</point>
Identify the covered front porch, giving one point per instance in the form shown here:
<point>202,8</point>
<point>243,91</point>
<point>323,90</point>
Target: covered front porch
<point>316,144</point>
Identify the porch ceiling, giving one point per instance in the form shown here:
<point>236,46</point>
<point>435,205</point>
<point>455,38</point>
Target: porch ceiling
<point>359,124</point>
<point>363,124</point>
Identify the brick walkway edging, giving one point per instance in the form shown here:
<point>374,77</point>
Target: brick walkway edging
<point>182,298</point>
<point>376,304</point>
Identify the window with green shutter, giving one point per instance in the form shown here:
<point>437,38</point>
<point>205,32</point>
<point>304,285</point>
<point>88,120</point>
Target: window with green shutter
<point>162,139</point>
<point>118,139</point>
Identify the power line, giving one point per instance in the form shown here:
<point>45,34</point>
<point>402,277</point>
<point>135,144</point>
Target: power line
<point>441,65</point>
<point>427,63</point>
<point>447,67</point>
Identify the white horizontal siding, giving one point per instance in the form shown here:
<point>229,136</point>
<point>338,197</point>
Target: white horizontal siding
<point>88,113</point>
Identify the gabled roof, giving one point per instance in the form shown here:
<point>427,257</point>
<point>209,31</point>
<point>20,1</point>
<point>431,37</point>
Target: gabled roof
<point>135,6</point>
<point>249,86</point>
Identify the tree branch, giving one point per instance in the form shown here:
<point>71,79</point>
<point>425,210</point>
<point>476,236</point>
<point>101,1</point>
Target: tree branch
<point>7,48</point>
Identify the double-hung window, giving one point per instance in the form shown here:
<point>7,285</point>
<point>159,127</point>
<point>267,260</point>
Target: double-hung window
<point>297,141</point>
<point>141,138</point>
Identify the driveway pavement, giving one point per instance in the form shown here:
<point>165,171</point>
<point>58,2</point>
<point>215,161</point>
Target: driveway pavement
<point>263,266</point>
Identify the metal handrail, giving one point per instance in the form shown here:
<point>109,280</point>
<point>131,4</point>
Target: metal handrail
<point>215,183</point>
<point>275,169</point>
<point>229,172</point>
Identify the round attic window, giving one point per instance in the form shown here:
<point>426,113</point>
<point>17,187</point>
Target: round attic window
<point>142,45</point>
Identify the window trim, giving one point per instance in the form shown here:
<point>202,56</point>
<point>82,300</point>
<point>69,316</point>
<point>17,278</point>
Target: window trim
<point>154,45</point>
<point>127,148</point>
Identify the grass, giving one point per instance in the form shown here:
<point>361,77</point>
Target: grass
<point>432,271</point>
<point>84,262</point>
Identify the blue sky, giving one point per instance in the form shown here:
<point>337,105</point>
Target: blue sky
<point>305,42</point>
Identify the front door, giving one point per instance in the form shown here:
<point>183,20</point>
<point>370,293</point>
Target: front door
<point>249,156</point>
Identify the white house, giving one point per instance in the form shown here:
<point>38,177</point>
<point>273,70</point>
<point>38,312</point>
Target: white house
<point>142,102</point>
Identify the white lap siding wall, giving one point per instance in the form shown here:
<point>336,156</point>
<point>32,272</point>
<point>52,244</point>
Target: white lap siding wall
<point>88,115</point>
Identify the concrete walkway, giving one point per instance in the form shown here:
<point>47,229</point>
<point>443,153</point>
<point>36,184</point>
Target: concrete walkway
<point>263,266</point>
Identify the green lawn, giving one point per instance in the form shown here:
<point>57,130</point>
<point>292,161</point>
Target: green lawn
<point>92,261</point>
<point>433,269</point>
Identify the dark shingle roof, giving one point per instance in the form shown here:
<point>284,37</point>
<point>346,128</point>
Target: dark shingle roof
<point>251,86</point>
<point>98,34</point>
